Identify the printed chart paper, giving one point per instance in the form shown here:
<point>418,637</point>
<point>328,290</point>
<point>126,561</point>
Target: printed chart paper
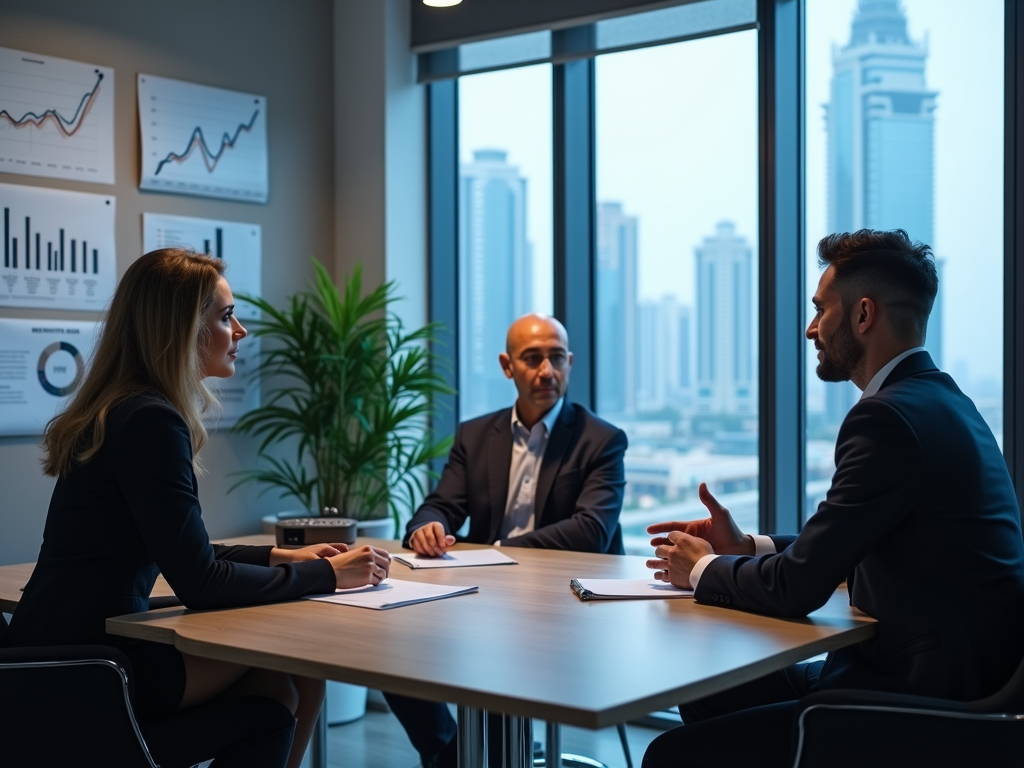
<point>56,117</point>
<point>42,362</point>
<point>198,140</point>
<point>238,244</point>
<point>58,248</point>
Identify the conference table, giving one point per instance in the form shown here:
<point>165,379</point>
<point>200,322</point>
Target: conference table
<point>523,645</point>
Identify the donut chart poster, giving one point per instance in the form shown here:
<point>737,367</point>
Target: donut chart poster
<point>42,362</point>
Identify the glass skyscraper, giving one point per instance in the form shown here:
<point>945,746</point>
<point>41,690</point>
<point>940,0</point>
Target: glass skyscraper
<point>881,148</point>
<point>495,275</point>
<point>881,126</point>
<point>616,319</point>
<point>726,379</point>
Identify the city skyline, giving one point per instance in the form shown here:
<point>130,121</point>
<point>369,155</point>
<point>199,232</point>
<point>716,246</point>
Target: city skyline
<point>964,47</point>
<point>677,156</point>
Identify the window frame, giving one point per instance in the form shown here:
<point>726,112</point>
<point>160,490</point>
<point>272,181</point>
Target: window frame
<point>782,350</point>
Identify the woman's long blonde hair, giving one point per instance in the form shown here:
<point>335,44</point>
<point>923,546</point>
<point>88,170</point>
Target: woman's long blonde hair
<point>151,341</point>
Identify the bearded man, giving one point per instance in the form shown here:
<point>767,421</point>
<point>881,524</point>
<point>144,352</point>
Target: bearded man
<point>921,520</point>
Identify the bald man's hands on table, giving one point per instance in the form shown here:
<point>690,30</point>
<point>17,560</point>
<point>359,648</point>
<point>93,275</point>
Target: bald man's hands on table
<point>431,540</point>
<point>686,542</point>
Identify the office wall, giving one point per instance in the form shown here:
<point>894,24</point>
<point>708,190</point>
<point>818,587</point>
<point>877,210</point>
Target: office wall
<point>380,178</point>
<point>281,50</point>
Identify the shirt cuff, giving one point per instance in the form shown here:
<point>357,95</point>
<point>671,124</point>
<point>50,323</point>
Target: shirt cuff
<point>698,569</point>
<point>763,545</point>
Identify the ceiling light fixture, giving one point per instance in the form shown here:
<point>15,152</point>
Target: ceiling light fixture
<point>441,3</point>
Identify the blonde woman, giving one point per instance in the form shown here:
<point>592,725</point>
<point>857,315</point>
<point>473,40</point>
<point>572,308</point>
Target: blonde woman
<point>125,508</point>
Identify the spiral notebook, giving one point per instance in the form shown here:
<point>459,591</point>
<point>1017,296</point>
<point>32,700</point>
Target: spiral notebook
<point>626,589</point>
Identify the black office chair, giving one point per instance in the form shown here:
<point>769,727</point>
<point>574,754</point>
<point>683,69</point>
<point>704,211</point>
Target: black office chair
<point>68,705</point>
<point>855,728</point>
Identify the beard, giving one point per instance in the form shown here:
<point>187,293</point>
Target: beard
<point>840,356</point>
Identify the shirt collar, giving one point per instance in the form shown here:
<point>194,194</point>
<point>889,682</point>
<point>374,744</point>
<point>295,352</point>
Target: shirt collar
<point>879,378</point>
<point>548,419</point>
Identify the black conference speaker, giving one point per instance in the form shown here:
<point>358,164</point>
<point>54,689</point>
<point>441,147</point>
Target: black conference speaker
<point>300,531</point>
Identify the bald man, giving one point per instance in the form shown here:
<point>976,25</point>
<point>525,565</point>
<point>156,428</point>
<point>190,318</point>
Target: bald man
<point>544,473</point>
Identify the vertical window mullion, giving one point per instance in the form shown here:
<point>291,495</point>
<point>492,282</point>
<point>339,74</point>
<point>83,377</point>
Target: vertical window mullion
<point>574,204</point>
<point>1013,243</point>
<point>781,356</point>
<point>443,228</point>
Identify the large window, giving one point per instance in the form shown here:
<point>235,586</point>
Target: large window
<point>504,222</point>
<point>676,274</point>
<point>904,119</point>
<point>661,181</point>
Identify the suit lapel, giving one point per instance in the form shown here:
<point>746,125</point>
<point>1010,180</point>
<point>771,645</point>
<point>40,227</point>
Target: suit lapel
<point>555,452</point>
<point>499,460</point>
<point>919,362</point>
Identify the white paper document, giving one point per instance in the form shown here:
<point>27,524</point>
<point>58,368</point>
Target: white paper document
<point>392,593</point>
<point>456,558</point>
<point>625,589</point>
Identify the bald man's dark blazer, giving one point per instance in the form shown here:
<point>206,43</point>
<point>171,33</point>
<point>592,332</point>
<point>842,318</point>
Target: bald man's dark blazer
<point>922,520</point>
<point>579,491</point>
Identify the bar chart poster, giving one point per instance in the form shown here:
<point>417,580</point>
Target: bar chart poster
<point>58,248</point>
<point>238,244</point>
<point>241,393</point>
<point>42,363</point>
<point>199,140</point>
<point>56,117</point>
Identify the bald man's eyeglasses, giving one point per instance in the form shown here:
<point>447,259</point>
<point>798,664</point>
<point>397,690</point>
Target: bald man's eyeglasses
<point>535,360</point>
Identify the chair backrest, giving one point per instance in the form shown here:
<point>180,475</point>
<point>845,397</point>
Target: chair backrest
<point>56,709</point>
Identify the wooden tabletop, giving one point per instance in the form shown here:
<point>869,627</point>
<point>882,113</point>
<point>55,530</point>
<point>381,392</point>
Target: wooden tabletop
<point>13,579</point>
<point>523,645</point>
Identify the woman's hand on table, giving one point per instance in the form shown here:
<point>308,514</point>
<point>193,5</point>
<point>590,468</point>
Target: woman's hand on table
<point>279,556</point>
<point>361,566</point>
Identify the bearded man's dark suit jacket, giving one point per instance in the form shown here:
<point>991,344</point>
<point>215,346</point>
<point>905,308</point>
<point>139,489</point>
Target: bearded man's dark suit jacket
<point>579,491</point>
<point>922,521</point>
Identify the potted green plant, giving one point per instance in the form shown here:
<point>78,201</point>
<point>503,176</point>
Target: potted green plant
<point>355,393</point>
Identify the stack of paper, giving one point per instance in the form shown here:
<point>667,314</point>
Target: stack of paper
<point>625,589</point>
<point>456,558</point>
<point>392,593</point>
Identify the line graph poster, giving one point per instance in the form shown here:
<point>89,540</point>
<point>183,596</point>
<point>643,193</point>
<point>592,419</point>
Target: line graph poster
<point>240,245</point>
<point>198,140</point>
<point>56,117</point>
<point>42,362</point>
<point>58,248</point>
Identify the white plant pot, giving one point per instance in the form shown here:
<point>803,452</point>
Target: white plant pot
<point>344,703</point>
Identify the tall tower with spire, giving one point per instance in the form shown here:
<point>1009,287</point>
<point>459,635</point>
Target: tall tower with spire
<point>881,125</point>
